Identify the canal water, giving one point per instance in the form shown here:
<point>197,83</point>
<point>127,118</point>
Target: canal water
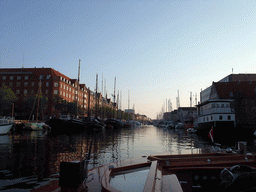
<point>31,159</point>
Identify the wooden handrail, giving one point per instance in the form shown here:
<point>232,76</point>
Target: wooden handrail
<point>150,182</point>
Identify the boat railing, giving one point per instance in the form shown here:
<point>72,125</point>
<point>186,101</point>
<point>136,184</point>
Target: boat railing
<point>6,120</point>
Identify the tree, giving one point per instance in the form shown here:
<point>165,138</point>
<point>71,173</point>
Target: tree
<point>7,99</point>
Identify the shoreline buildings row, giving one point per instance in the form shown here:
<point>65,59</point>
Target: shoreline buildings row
<point>25,82</point>
<point>226,105</point>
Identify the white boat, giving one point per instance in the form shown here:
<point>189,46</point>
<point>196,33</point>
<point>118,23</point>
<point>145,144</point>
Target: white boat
<point>191,130</point>
<point>6,124</point>
<point>37,126</point>
<point>180,126</point>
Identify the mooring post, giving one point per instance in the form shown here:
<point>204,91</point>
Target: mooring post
<point>72,174</point>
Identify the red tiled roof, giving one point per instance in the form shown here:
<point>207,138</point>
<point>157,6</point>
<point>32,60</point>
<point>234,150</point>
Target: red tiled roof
<point>224,88</point>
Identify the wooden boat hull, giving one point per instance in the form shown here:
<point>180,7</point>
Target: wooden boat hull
<point>194,172</point>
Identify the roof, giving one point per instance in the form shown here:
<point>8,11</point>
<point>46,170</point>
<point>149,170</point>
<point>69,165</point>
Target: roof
<point>224,89</point>
<point>35,71</point>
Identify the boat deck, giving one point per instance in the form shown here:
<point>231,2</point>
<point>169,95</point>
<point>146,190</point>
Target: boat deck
<point>165,172</point>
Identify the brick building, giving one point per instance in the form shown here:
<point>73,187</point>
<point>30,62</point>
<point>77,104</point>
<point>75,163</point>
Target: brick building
<point>27,81</point>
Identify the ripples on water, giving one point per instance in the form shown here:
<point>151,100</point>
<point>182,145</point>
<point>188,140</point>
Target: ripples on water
<point>31,159</point>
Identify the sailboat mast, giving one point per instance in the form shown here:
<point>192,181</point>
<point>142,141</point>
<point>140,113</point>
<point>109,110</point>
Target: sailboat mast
<point>77,88</point>
<point>128,104</point>
<point>96,107</point>
<point>114,98</point>
<point>38,98</point>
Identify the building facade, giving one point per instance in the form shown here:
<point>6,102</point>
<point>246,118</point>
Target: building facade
<point>51,84</point>
<point>231,103</point>
<point>28,82</point>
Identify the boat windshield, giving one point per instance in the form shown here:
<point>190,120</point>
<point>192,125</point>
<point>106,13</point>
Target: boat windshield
<point>132,180</point>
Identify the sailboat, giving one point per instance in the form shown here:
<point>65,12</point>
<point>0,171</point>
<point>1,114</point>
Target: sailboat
<point>36,126</point>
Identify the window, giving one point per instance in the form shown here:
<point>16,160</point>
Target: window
<point>17,91</point>
<point>26,77</point>
<point>48,76</point>
<point>11,84</point>
<point>25,84</point>
<point>60,85</point>
<point>67,88</point>
<point>64,94</point>
<point>55,92</point>
<point>25,91</point>
<point>4,77</point>
<point>220,117</point>
<point>33,84</point>
<point>32,92</point>
<point>211,118</point>
<point>39,84</point>
<point>47,84</point>
<point>18,77</point>
<point>56,84</point>
<point>18,84</point>
<point>229,117</point>
<point>41,77</point>
<point>222,105</point>
<point>46,91</point>
<point>64,86</point>
<point>11,77</point>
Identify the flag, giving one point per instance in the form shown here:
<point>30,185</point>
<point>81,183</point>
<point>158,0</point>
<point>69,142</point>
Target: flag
<point>210,135</point>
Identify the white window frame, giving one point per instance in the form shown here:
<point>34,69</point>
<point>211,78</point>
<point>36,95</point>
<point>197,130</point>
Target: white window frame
<point>56,84</point>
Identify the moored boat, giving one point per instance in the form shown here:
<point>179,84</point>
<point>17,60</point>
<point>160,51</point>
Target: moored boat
<point>114,123</point>
<point>6,123</point>
<point>66,125</point>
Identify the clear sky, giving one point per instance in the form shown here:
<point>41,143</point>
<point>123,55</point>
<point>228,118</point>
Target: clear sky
<point>154,48</point>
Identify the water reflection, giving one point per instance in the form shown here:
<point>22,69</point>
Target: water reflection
<point>31,158</point>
